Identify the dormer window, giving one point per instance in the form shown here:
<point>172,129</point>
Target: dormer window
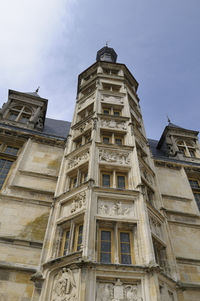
<point>20,114</point>
<point>187,148</point>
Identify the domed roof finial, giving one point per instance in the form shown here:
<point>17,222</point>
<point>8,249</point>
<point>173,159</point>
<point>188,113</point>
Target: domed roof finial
<point>106,54</point>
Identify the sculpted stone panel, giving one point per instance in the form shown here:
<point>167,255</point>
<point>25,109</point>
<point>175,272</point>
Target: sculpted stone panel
<point>85,102</point>
<point>116,208</point>
<point>78,203</point>
<point>65,286</point>
<point>78,159</point>
<point>113,124</point>
<point>118,292</point>
<point>112,99</point>
<point>146,174</point>
<point>155,226</point>
<point>83,127</point>
<point>119,157</point>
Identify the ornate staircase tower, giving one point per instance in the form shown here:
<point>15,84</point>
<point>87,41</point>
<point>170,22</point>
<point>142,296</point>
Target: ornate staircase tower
<point>106,237</point>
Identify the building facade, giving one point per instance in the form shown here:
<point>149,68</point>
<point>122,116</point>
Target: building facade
<point>93,210</point>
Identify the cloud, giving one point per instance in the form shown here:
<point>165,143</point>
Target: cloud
<point>28,29</point>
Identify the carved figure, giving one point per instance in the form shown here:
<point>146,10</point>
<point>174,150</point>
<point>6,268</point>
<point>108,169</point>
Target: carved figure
<point>79,202</point>
<point>114,156</point>
<point>64,286</point>
<point>105,292</point>
<point>131,292</point>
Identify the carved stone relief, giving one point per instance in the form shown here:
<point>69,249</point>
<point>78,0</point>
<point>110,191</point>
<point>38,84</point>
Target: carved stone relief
<point>85,102</point>
<point>111,156</point>
<point>146,174</point>
<point>155,226</point>
<point>118,292</point>
<point>78,202</point>
<point>65,286</point>
<point>83,127</point>
<point>115,208</point>
<point>114,124</point>
<point>112,99</point>
<point>78,159</point>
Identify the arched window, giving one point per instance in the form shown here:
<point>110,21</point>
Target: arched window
<point>19,114</point>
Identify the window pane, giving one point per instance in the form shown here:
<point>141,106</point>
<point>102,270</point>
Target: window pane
<point>106,140</point>
<point>124,237</point>
<point>125,248</point>
<point>12,116</point>
<point>105,258</point>
<point>105,247</point>
<point>116,113</point>
<point>11,150</point>
<point>197,199</point>
<point>194,184</point>
<point>192,152</point>
<point>24,119</point>
<point>106,235</point>
<point>106,112</point>
<point>106,180</point>
<point>125,259</point>
<point>66,243</point>
<point>5,166</point>
<point>118,141</point>
<point>121,181</point>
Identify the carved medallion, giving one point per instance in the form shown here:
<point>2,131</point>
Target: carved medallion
<point>64,288</point>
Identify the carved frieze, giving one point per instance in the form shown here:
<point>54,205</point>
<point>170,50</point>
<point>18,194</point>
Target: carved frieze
<point>118,292</point>
<point>113,124</point>
<point>155,226</point>
<point>78,159</point>
<point>118,157</point>
<point>65,286</point>
<point>115,208</point>
<point>78,202</point>
<point>112,99</point>
<point>84,126</point>
<point>85,102</point>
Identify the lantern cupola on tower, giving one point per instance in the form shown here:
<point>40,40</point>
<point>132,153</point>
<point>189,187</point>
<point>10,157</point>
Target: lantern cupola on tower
<point>106,54</point>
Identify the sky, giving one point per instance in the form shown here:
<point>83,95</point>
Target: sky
<point>48,43</point>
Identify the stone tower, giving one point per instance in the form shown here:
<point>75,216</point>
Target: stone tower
<point>107,237</point>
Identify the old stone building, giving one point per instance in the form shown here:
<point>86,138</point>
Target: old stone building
<point>93,210</point>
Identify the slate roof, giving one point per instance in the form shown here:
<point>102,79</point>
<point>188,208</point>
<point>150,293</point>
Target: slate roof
<point>54,127</point>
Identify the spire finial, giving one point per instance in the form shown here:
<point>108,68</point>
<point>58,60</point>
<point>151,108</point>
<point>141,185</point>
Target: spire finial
<point>107,43</point>
<point>168,119</point>
<point>37,89</point>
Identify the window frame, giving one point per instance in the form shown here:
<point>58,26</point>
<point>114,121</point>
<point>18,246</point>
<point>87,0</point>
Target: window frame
<point>125,180</point>
<point>76,236</point>
<point>111,178</point>
<point>63,242</point>
<point>131,245</point>
<point>8,157</point>
<point>112,245</point>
